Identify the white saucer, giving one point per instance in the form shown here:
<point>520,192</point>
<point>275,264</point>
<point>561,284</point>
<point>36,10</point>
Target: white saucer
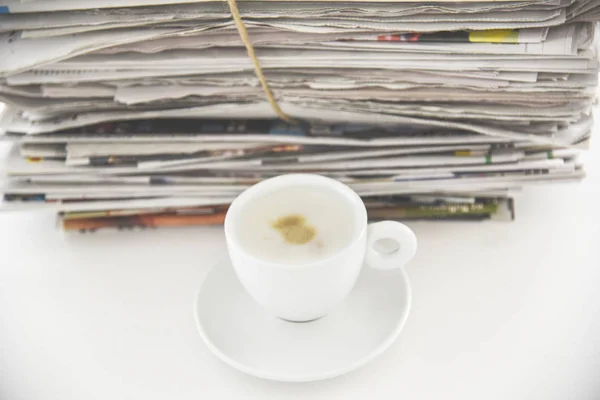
<point>239,332</point>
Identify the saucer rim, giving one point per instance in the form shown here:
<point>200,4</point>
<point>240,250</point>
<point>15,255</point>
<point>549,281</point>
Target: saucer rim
<point>385,344</point>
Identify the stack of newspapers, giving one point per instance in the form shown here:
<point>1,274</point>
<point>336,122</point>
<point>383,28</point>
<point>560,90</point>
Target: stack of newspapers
<point>147,113</point>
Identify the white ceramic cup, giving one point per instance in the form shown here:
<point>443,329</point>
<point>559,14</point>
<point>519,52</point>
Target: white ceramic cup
<point>305,292</point>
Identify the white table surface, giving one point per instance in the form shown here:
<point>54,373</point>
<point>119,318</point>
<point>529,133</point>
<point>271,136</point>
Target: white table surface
<point>500,311</point>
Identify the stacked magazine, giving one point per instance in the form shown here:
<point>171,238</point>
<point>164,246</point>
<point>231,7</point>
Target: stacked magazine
<point>146,113</point>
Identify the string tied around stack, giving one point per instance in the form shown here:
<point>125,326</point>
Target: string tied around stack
<point>241,28</point>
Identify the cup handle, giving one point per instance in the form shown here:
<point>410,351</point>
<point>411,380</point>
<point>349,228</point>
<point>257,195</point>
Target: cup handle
<point>401,234</point>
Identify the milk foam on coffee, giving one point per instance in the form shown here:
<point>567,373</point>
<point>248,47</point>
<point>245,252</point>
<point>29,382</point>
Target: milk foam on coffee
<point>296,225</point>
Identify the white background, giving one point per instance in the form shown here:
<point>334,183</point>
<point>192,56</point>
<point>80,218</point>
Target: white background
<point>500,311</point>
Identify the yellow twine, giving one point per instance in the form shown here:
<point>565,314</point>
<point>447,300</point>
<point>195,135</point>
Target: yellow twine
<point>235,12</point>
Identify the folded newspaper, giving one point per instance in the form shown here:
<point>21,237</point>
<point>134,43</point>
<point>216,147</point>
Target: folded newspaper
<point>149,113</point>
